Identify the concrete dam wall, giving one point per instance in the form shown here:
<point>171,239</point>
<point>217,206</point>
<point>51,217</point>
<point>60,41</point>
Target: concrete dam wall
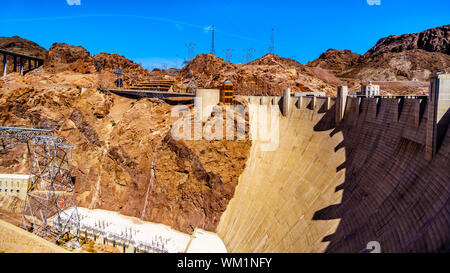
<point>335,186</point>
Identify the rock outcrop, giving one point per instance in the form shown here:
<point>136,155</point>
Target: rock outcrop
<point>268,75</point>
<point>118,141</point>
<point>62,57</point>
<point>23,46</point>
<point>335,61</point>
<point>431,40</point>
<point>408,57</point>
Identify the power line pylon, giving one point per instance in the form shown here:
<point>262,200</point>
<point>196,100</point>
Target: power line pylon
<point>248,54</point>
<point>213,48</point>
<point>118,72</point>
<point>229,55</point>
<point>50,209</point>
<point>190,51</point>
<point>272,43</point>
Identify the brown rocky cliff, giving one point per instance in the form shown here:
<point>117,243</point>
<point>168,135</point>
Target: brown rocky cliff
<point>408,57</point>
<point>62,57</point>
<point>268,75</point>
<point>335,60</point>
<point>198,179</point>
<point>23,46</point>
<point>116,140</point>
<point>204,71</point>
<point>431,40</point>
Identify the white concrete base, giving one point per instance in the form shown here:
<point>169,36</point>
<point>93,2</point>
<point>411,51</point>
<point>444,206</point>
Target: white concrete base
<point>130,234</point>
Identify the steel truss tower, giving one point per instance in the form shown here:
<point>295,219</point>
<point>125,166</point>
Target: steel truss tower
<point>248,54</point>
<point>118,72</point>
<point>50,209</point>
<point>272,43</point>
<point>229,55</point>
<point>213,47</point>
<point>190,51</point>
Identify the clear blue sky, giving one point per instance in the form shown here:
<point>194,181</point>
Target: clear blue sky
<point>156,32</point>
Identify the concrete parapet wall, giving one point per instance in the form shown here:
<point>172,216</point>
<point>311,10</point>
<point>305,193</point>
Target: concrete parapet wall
<point>276,100</point>
<point>389,110</point>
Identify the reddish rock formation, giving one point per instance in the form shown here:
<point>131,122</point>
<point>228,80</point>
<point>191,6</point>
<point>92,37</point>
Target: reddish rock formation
<point>62,57</point>
<point>405,57</point>
<point>336,61</point>
<point>117,139</point>
<point>23,46</point>
<point>268,75</point>
<point>431,40</point>
<point>415,64</point>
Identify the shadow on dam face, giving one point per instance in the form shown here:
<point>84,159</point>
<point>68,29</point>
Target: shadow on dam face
<point>331,188</point>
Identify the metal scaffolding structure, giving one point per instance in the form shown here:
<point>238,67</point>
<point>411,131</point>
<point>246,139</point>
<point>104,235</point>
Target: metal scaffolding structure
<point>50,209</point>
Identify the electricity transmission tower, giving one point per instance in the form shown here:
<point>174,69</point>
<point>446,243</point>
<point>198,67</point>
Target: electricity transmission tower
<point>229,55</point>
<point>192,87</point>
<point>213,48</point>
<point>272,43</point>
<point>50,209</point>
<point>118,72</point>
<point>190,51</point>
<point>248,54</point>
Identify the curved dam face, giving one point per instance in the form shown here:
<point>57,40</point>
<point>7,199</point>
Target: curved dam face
<point>335,188</point>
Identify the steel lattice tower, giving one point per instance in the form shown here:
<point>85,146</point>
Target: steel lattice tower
<point>190,51</point>
<point>229,55</point>
<point>213,48</point>
<point>272,43</point>
<point>118,72</point>
<point>248,54</point>
<point>50,209</point>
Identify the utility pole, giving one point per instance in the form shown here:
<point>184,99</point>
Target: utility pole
<point>229,55</point>
<point>213,48</point>
<point>272,43</point>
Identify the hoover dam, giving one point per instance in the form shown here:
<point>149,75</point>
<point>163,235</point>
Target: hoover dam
<point>334,185</point>
<point>345,172</point>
